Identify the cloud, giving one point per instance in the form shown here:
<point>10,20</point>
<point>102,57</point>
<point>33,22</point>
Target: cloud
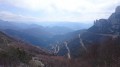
<point>4,15</point>
<point>70,5</point>
<point>63,10</point>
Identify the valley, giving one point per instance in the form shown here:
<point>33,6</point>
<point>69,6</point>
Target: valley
<point>34,45</point>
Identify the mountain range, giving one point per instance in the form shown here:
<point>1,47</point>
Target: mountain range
<point>34,33</point>
<point>38,46</point>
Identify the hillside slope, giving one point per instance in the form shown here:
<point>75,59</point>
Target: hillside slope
<point>16,53</point>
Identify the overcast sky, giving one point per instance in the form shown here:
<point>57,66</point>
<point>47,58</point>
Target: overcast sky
<point>56,10</point>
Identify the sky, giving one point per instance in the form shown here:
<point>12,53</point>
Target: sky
<point>83,11</point>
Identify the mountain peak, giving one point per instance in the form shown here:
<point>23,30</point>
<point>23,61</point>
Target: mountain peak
<point>110,25</point>
<point>117,9</point>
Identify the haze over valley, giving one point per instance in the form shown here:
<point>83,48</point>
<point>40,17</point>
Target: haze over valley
<point>70,33</point>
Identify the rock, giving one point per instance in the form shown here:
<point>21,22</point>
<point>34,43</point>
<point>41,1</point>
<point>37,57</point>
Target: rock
<point>100,22</point>
<point>117,9</point>
<point>35,62</point>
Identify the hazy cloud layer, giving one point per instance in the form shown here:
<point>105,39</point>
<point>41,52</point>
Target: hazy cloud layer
<point>58,10</point>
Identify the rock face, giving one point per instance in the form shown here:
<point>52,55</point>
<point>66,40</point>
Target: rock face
<point>114,19</point>
<point>110,25</point>
<point>101,24</point>
<point>117,9</point>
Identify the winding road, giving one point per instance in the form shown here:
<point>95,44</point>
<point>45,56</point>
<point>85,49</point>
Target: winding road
<point>68,54</point>
<point>109,35</point>
<point>81,42</point>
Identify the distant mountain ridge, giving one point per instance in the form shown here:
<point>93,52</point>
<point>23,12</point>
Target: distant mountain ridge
<point>37,34</point>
